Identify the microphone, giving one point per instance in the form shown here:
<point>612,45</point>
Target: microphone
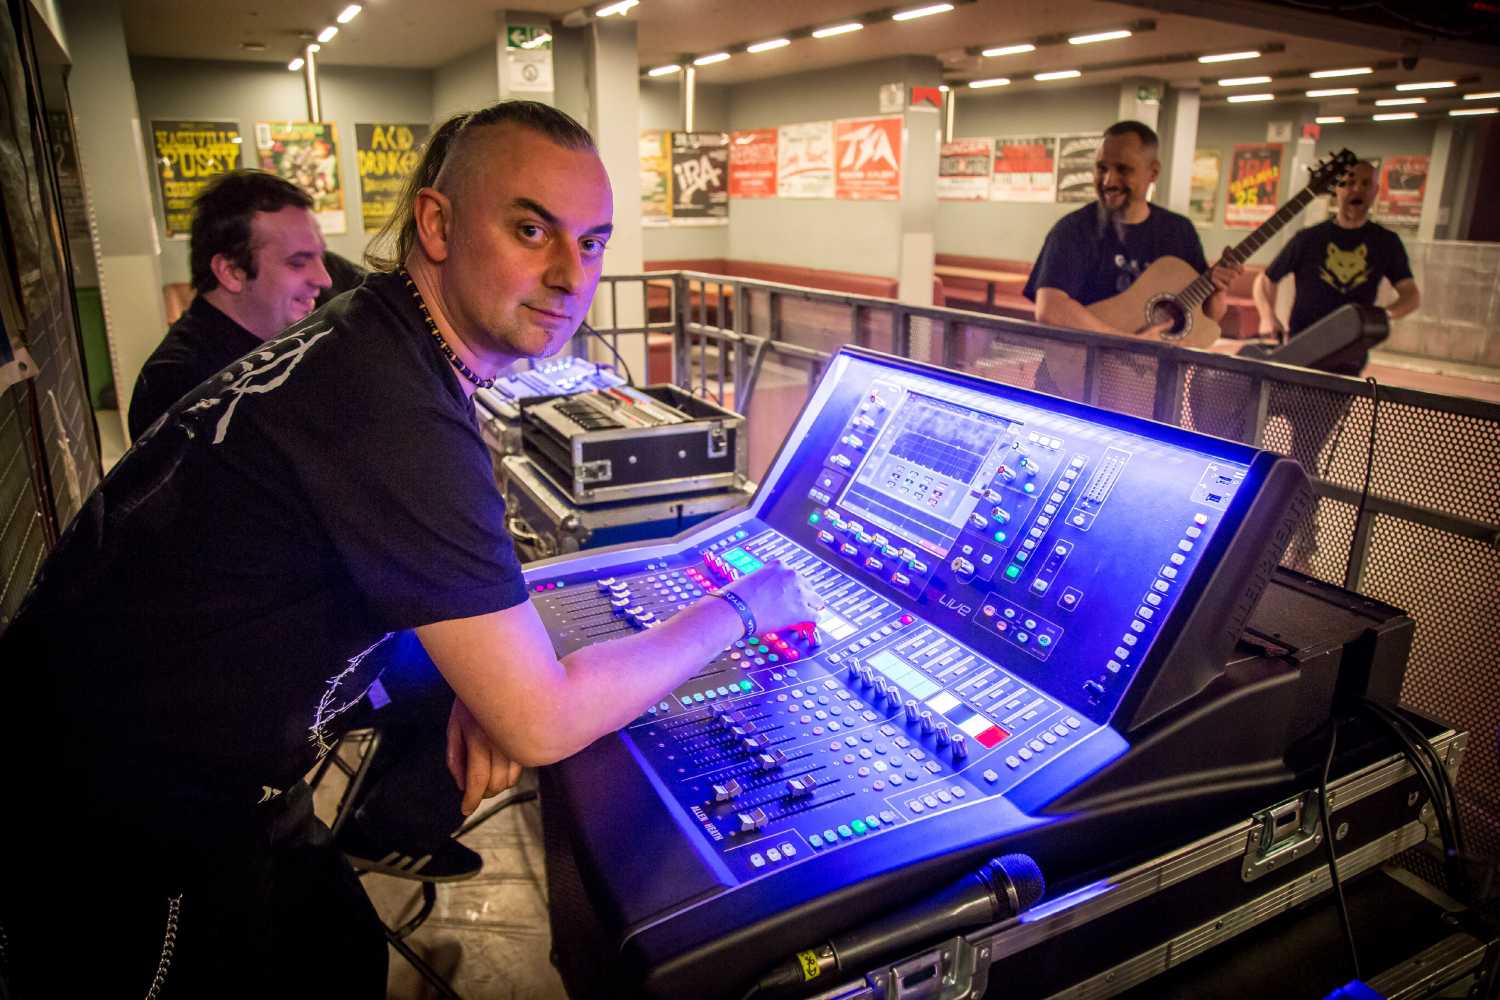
<point>1004,887</point>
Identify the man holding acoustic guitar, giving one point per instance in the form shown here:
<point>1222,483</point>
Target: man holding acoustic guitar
<point>1096,272</point>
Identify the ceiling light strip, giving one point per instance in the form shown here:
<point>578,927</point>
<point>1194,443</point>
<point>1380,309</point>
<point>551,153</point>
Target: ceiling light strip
<point>916,12</point>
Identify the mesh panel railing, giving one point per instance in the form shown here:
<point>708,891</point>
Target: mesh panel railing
<point>1427,542</point>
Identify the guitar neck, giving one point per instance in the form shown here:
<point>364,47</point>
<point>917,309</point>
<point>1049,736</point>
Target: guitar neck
<point>1198,292</point>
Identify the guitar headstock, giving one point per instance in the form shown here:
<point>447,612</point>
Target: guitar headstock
<point>1330,170</point>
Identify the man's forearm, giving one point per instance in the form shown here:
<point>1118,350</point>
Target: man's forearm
<point>1408,299</point>
<point>1066,311</point>
<point>1265,306</point>
<point>1216,306</point>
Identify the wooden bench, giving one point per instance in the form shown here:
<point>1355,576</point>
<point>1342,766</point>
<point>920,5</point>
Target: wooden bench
<point>975,291</point>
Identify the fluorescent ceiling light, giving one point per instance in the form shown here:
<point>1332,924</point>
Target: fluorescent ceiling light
<point>1249,98</point>
<point>999,81</point>
<point>1008,50</point>
<point>837,29</point>
<point>711,58</point>
<point>609,10</point>
<point>664,70</point>
<point>1482,97</point>
<point>1330,120</point>
<point>775,43</point>
<point>943,88</point>
<point>1334,92</point>
<point>295,64</point>
<point>314,47</point>
<point>1243,81</point>
<point>1395,116</point>
<point>916,12</point>
<point>1229,57</point>
<point>1429,85</point>
<point>326,35</point>
<point>1396,102</point>
<point>1463,112</point>
<point>1327,74</point>
<point>1060,74</point>
<point>1098,36</point>
<point>349,13</point>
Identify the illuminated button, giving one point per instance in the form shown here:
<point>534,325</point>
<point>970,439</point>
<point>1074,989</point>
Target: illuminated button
<point>1129,639</point>
<point>816,840</point>
<point>1200,519</point>
<point>1154,600</point>
<point>788,850</point>
<point>1072,722</point>
<point>1178,558</point>
<point>1194,532</point>
<point>1185,546</point>
<point>756,861</point>
<point>745,685</point>
<point>1037,746</point>
<point>1121,653</point>
<point>1024,753</point>
<point>1114,666</point>
<point>1145,612</point>
<point>845,831</point>
<point>1049,737</point>
<point>916,807</point>
<point>944,797</point>
<point>1060,729</point>
<point>1001,536</point>
<point>1160,586</point>
<point>698,696</point>
<point>773,854</point>
<point>1044,641</point>
<point>1137,626</point>
<point>930,801</point>
<point>1012,571</point>
<point>1170,572</point>
<point>829,837</point>
<point>859,827</point>
<point>1078,520</point>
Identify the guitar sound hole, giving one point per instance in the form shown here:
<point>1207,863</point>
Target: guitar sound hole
<point>1166,310</point>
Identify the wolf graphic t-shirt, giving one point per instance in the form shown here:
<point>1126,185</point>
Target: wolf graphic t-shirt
<point>1334,266</point>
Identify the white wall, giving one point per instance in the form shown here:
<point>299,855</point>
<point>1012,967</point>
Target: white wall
<point>468,83</point>
<point>246,93</point>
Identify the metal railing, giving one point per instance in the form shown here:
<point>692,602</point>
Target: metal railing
<point>1425,539</point>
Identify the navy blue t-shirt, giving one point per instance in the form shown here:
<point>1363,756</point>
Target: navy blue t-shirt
<point>1092,260</point>
<point>219,602</point>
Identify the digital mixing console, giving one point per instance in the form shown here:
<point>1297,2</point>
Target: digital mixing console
<point>1015,585</point>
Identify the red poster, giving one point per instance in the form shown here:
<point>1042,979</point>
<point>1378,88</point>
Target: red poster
<point>752,164</point>
<point>868,159</point>
<point>1403,184</point>
<point>1254,177</point>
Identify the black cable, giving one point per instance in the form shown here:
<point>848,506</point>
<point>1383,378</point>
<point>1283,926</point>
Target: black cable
<point>1333,863</point>
<point>1364,493</point>
<point>629,378</point>
<point>1440,773</point>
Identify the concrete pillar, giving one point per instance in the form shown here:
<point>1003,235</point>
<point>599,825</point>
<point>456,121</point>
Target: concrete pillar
<point>117,179</point>
<point>1179,139</point>
<point>1140,100</point>
<point>1437,171</point>
<point>923,132</point>
<point>612,72</point>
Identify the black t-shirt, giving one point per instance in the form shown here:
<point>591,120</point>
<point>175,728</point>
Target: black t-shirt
<point>202,341</point>
<point>211,612</point>
<point>1086,257</point>
<point>1334,266</point>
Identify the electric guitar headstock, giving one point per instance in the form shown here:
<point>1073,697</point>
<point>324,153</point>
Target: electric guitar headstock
<point>1330,170</point>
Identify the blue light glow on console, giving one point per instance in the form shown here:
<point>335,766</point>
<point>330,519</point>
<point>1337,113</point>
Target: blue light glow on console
<point>1006,576</point>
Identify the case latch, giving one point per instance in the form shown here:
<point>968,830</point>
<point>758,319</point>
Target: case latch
<point>1282,833</point>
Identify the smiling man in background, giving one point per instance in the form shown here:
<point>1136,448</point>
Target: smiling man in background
<point>257,266</point>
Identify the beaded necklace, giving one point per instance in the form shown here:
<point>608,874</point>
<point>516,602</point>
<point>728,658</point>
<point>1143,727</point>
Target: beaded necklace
<point>453,359</point>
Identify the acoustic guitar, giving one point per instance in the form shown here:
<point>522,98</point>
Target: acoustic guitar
<point>1172,289</point>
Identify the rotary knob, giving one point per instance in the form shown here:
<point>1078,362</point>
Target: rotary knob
<point>926,722</point>
<point>911,711</point>
<point>960,746</point>
<point>962,566</point>
<point>942,733</point>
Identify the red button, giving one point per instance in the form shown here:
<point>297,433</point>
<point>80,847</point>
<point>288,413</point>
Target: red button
<point>907,619</point>
<point>991,736</point>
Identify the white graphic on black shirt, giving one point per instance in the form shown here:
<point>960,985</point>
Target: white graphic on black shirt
<point>329,708</point>
<point>256,374</point>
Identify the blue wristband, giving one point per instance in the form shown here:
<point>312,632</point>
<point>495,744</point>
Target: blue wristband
<point>742,609</point>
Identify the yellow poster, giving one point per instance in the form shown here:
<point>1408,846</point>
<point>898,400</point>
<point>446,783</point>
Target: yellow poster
<point>386,153</point>
<point>189,154</point>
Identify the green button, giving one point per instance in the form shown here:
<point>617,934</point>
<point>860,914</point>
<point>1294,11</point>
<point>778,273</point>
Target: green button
<point>813,518</point>
<point>845,832</point>
<point>1000,536</point>
<point>1029,487</point>
<point>858,826</point>
<point>774,658</point>
<point>745,685</point>
<point>1011,572</point>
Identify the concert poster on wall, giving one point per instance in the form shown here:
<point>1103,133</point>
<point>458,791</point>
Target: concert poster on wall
<point>752,164</point>
<point>1403,185</point>
<point>804,160</point>
<point>69,179</point>
<point>1254,177</point>
<point>386,153</point>
<point>656,178</point>
<point>1203,191</point>
<point>964,169</point>
<point>869,159</point>
<point>1075,166</point>
<point>700,178</point>
<point>1025,169</point>
<point>307,154</point>
<point>189,154</point>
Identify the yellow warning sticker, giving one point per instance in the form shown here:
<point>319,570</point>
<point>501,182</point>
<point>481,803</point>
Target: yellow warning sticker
<point>809,960</point>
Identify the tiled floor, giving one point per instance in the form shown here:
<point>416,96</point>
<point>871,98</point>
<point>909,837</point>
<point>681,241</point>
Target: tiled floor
<point>488,936</point>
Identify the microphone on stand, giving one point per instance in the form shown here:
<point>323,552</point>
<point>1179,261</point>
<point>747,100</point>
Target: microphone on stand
<point>1005,887</point>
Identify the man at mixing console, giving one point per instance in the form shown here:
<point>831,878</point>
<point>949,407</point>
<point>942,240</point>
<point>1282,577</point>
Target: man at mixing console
<point>193,643</point>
